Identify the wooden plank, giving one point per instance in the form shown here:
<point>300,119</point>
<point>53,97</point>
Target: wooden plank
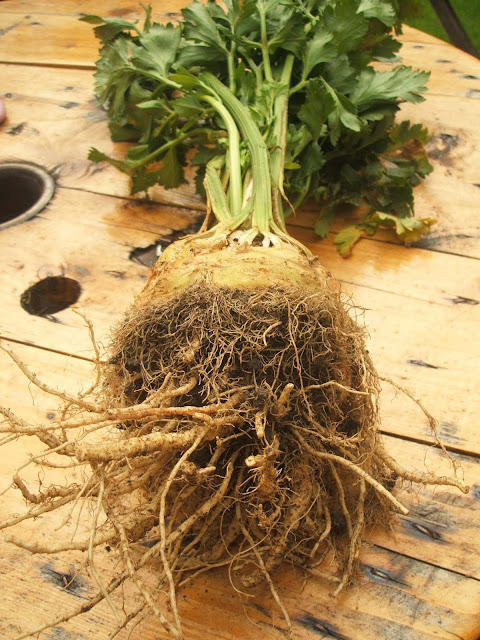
<point>394,268</point>
<point>54,32</point>
<point>71,238</point>
<point>46,39</point>
<point>54,21</point>
<point>407,588</point>
<point>442,525</point>
<point>122,8</point>
<point>394,284</point>
<point>434,355</point>
<point>37,33</point>
<point>422,584</point>
<point>53,120</point>
<point>384,605</point>
<point>57,120</point>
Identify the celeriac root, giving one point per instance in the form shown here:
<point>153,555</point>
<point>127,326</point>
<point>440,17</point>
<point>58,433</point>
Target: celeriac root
<point>230,427</point>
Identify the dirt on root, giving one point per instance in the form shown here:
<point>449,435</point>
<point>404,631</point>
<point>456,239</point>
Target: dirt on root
<point>272,428</point>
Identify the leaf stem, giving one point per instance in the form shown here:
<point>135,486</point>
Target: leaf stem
<point>254,67</point>
<point>263,31</point>
<point>231,68</point>
<point>235,190</point>
<point>277,156</point>
<point>260,164</point>
<point>165,147</point>
<point>153,76</point>
<point>298,87</point>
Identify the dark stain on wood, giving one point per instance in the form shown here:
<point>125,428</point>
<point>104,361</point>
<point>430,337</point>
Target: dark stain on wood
<point>421,363</point>
<point>147,256</point>
<point>475,491</point>
<point>69,105</point>
<point>468,503</point>
<point>17,129</point>
<point>80,270</point>
<point>446,237</point>
<point>259,607</point>
<point>94,168</point>
<point>70,582</point>
<point>133,206</point>
<point>59,633</point>
<point>423,531</point>
<point>383,576</point>
<point>321,628</point>
<point>440,147</point>
<point>462,457</point>
<point>442,241</point>
<point>463,300</point>
<point>50,295</point>
<point>120,13</point>
<point>448,431</point>
<point>7,29</point>
<point>472,93</point>
<point>427,510</point>
<point>119,275</point>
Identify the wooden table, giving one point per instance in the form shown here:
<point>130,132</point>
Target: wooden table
<point>422,312</point>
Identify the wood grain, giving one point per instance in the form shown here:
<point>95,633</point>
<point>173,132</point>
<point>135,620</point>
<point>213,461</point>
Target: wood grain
<point>408,586</point>
<point>60,38</point>
<point>394,285</point>
<point>422,309</point>
<point>53,114</point>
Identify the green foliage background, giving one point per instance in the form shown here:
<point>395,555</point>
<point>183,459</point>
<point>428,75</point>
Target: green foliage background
<point>468,12</point>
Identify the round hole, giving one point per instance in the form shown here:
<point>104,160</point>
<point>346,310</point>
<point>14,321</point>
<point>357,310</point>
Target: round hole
<point>25,189</point>
<point>50,295</point>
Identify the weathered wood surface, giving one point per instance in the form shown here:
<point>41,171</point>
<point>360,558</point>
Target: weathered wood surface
<point>422,313</point>
<point>421,583</point>
<point>54,116</point>
<point>392,283</point>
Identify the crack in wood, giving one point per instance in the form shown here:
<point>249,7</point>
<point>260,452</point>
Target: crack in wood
<point>381,575</point>
<point>70,582</point>
<point>464,300</point>
<point>320,627</point>
<point>422,363</point>
<point>425,531</point>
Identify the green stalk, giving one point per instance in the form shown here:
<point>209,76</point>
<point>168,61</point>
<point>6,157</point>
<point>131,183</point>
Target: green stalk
<point>231,69</point>
<point>262,180</point>
<point>265,52</point>
<point>277,156</point>
<point>216,193</point>
<point>254,67</point>
<point>168,145</point>
<point>235,191</point>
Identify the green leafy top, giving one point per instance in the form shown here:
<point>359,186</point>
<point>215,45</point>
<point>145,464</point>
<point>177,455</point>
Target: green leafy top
<point>279,91</point>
